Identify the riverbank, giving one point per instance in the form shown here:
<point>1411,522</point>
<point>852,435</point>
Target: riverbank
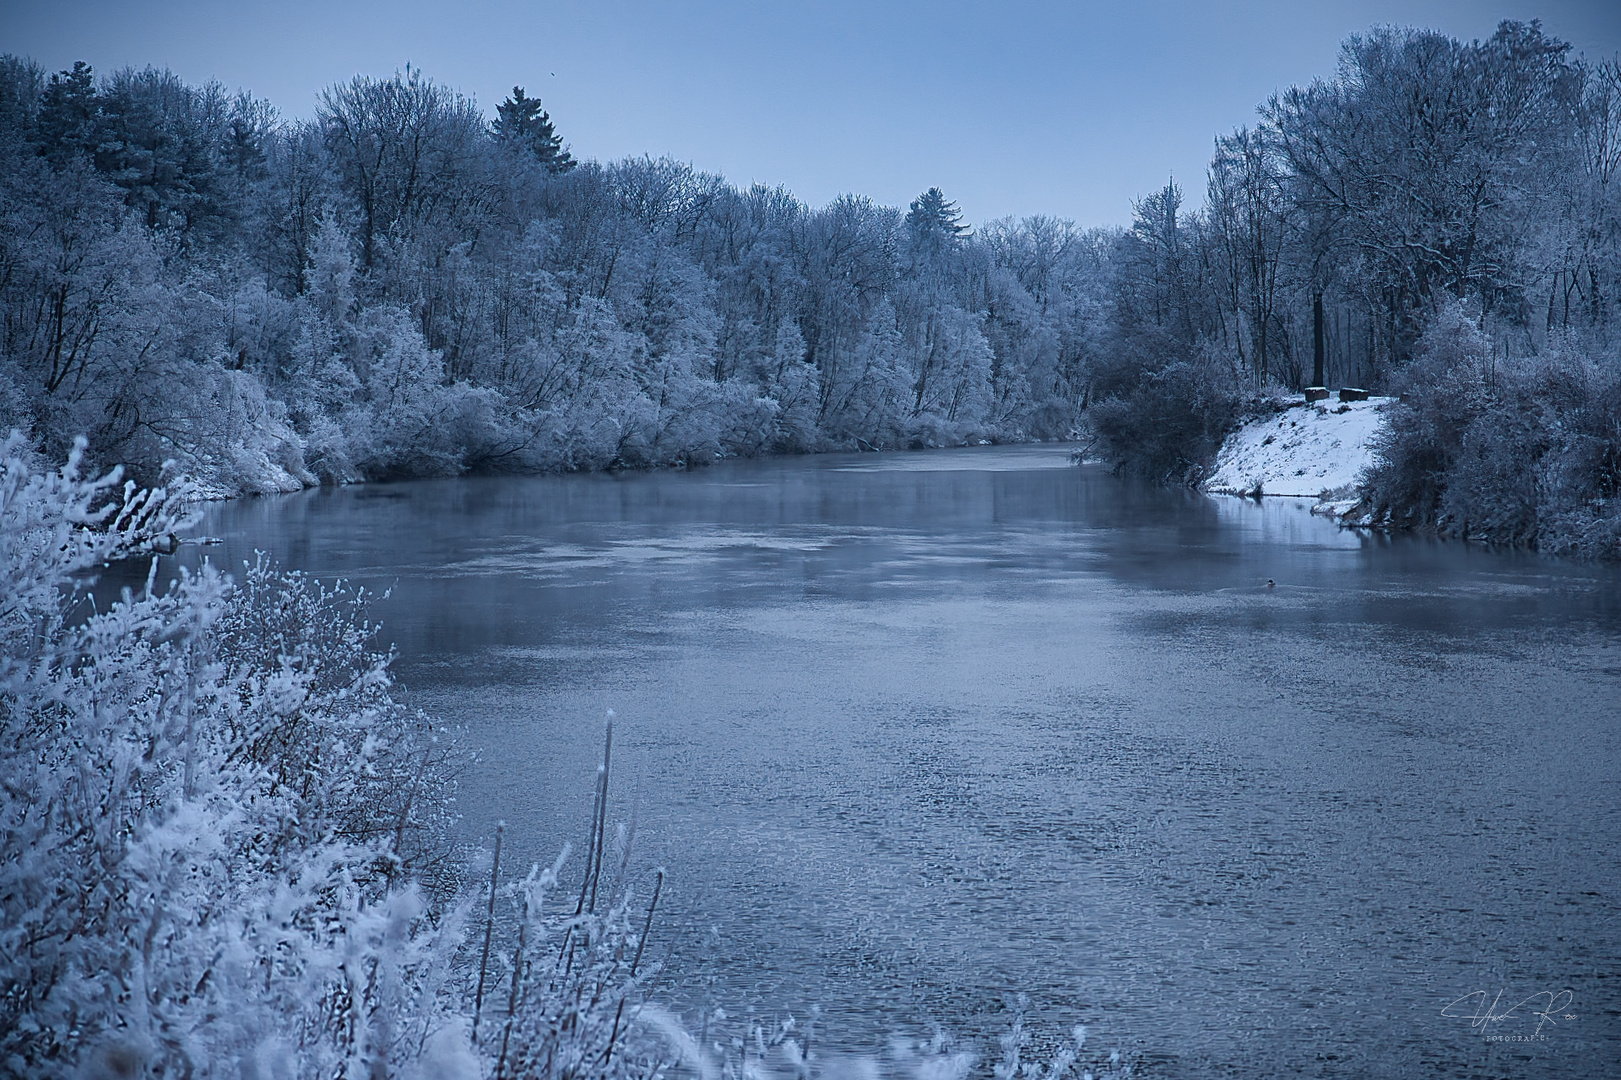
<point>1317,450</point>
<point>273,479</point>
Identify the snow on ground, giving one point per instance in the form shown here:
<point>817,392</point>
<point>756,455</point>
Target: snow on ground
<point>1310,450</point>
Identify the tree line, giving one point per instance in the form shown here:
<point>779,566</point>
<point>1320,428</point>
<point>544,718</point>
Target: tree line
<point>397,287</point>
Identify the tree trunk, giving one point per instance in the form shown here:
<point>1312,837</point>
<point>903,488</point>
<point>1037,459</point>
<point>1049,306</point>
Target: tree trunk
<point>1317,365</point>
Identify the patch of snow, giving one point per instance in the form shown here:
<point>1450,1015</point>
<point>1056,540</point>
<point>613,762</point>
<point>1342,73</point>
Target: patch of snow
<point>1335,508</point>
<point>1315,451</point>
<point>1347,513</point>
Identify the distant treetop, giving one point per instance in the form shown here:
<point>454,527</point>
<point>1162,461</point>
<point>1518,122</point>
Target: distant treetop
<point>521,123</point>
<point>932,212</point>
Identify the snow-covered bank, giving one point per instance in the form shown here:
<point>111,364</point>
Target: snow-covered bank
<point>1318,451</point>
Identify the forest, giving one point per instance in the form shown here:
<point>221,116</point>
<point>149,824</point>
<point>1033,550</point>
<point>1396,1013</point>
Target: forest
<point>399,287</point>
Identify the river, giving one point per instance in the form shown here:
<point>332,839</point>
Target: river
<point>915,734</point>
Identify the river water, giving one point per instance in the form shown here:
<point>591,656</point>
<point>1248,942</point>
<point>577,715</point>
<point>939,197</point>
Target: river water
<point>916,734</point>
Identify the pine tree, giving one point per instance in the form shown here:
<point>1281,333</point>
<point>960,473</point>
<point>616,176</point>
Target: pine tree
<point>522,124</point>
<point>68,114</point>
<point>933,213</point>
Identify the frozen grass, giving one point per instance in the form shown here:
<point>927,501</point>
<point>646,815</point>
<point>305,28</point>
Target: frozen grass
<point>785,1050</point>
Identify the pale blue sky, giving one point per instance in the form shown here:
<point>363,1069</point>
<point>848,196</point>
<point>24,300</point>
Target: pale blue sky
<point>1070,109</point>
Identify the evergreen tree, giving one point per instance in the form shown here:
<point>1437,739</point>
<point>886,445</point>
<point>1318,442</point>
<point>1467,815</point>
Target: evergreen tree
<point>157,139</point>
<point>522,124</point>
<point>931,213</point>
<point>68,114</point>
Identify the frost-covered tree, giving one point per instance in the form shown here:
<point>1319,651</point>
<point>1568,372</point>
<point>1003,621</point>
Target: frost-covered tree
<point>198,279</point>
<point>406,152</point>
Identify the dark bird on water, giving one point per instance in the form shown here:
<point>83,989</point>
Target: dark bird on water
<point>1270,583</point>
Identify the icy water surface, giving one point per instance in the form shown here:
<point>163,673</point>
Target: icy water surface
<point>914,734</point>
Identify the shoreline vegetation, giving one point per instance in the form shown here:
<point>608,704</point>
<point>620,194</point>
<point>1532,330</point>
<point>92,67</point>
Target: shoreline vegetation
<point>400,287</point>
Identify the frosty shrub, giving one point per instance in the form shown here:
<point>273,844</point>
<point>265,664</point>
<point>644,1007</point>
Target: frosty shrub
<point>1446,390</point>
<point>183,887</point>
<point>1523,451</point>
<point>217,825</point>
<point>318,724</point>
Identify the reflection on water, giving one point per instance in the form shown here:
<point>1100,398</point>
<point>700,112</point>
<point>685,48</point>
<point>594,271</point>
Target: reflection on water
<point>916,733</point>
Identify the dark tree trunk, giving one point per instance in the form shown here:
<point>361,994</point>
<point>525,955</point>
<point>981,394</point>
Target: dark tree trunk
<point>1317,373</point>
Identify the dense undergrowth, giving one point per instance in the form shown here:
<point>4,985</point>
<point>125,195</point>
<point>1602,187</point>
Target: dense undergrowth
<point>1518,450</point>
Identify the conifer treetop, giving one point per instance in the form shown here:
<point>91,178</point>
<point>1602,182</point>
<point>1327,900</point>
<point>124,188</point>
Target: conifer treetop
<point>522,123</point>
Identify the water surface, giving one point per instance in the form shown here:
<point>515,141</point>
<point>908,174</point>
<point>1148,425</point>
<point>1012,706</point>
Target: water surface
<point>915,734</point>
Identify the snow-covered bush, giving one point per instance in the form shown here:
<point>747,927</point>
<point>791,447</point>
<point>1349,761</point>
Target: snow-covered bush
<point>318,723</point>
<point>1446,390</point>
<point>215,827</point>
<point>1522,450</point>
<point>181,890</point>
